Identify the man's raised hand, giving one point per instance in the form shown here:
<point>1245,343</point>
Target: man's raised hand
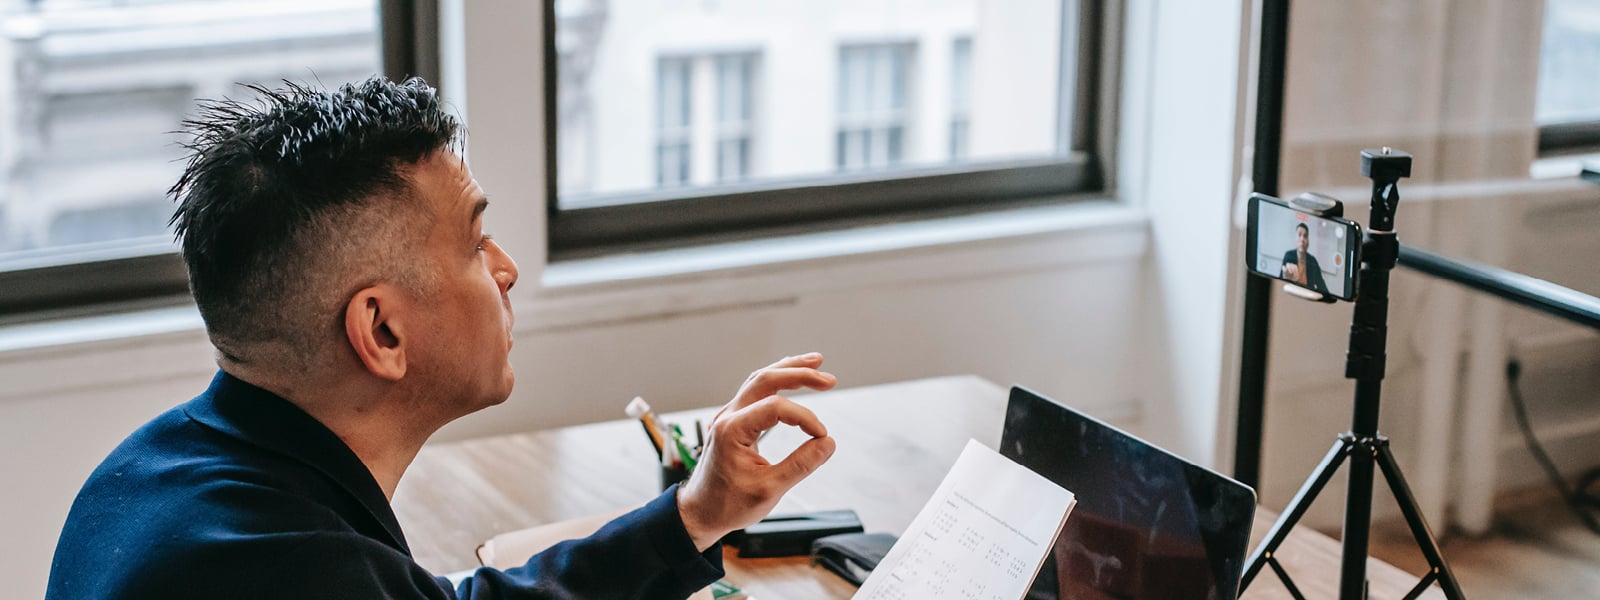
<point>733,486</point>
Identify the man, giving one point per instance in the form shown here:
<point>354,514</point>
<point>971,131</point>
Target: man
<point>1300,266</point>
<point>335,250</point>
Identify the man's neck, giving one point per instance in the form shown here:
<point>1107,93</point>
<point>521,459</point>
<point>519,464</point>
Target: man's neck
<point>380,444</point>
<point>377,423</point>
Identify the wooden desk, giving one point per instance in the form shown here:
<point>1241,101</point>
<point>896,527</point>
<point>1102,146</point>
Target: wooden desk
<point>895,443</point>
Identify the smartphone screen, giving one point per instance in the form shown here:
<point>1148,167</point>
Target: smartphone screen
<point>1321,254</point>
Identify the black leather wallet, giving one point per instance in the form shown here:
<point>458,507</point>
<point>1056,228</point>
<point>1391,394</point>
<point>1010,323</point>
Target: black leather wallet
<point>851,556</point>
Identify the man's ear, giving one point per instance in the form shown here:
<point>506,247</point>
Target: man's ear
<point>372,324</point>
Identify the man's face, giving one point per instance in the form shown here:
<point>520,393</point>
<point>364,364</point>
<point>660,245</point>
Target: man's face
<point>1302,237</point>
<point>467,317</point>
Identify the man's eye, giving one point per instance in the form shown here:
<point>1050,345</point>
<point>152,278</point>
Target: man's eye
<point>484,240</point>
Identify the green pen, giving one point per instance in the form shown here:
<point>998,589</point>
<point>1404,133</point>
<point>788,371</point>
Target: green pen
<point>683,451</point>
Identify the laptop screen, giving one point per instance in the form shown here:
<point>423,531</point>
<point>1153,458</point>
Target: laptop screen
<point>1147,525</point>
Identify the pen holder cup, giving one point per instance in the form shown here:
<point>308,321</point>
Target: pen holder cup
<point>671,475</point>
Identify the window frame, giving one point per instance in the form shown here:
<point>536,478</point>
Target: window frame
<point>1575,137</point>
<point>612,223</point>
<point>47,281</point>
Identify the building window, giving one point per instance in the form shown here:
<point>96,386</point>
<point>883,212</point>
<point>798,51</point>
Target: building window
<point>872,105</point>
<point>89,95</point>
<point>735,95</point>
<point>960,97</point>
<point>1568,105</point>
<point>798,113</point>
<point>673,121</point>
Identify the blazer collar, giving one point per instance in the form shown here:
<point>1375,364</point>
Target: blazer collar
<point>237,408</point>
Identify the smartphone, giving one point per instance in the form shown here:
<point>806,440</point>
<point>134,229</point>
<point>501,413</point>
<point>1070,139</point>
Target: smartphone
<point>1321,254</point>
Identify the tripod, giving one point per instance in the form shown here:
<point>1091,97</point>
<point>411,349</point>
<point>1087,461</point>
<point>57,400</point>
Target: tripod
<point>1362,445</point>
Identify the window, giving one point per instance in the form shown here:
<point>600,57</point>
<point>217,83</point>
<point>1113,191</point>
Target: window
<point>1568,106</point>
<point>960,97</point>
<point>872,105</point>
<point>735,74</point>
<point>683,133</point>
<point>89,93</point>
<point>672,122</point>
<point>718,119</point>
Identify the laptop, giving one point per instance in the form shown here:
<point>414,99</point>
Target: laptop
<point>1148,524</point>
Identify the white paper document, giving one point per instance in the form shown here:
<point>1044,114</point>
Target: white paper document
<point>982,536</point>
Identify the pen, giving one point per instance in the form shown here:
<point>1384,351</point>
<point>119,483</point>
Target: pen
<point>652,437</point>
<point>699,437</point>
<point>683,449</point>
<point>639,409</point>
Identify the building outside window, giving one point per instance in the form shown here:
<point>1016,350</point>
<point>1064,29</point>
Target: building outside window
<point>873,106</point>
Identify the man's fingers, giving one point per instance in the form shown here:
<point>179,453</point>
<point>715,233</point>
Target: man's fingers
<point>772,380</point>
<point>745,425</point>
<point>804,460</point>
<point>812,359</point>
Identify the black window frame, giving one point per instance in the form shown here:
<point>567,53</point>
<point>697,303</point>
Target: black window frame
<point>677,217</point>
<point>42,284</point>
<point>1575,137</point>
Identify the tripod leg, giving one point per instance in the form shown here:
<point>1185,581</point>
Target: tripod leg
<point>1357,523</point>
<point>1419,526</point>
<point>1296,509</point>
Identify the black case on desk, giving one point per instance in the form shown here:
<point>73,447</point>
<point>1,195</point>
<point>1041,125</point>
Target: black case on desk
<point>792,534</point>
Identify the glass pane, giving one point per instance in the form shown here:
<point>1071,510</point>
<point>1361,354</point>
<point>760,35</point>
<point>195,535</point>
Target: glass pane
<point>816,89</point>
<point>958,139</point>
<point>672,95</point>
<point>960,96</point>
<point>90,92</point>
<point>961,77</point>
<point>1569,63</point>
<point>733,89</point>
<point>733,159</point>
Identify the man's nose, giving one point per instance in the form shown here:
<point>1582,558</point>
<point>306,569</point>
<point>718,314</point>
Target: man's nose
<point>505,272</point>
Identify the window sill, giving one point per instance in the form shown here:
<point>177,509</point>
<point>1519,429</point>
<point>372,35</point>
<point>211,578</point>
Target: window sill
<point>778,270</point>
<point>103,351</point>
<point>1567,165</point>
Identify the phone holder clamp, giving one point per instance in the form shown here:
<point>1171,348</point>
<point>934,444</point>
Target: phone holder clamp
<point>1321,205</point>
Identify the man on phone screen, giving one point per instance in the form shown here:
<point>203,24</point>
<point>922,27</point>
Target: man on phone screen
<point>1300,266</point>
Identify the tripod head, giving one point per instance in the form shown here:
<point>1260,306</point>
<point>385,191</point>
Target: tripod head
<point>1385,166</point>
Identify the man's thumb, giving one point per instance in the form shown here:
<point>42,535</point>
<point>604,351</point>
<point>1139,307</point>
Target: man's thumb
<point>806,459</point>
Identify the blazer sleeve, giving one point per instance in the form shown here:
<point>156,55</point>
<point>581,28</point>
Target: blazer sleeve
<point>643,554</point>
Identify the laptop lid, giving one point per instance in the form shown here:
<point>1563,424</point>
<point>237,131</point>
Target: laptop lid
<point>1148,524</point>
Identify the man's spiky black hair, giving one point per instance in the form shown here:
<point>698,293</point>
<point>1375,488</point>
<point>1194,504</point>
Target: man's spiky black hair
<point>260,172</point>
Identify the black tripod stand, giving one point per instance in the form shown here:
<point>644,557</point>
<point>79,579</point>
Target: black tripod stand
<point>1362,445</point>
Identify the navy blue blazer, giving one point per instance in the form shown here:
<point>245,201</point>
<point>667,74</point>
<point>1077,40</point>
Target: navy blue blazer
<point>239,494</point>
<point>1314,280</point>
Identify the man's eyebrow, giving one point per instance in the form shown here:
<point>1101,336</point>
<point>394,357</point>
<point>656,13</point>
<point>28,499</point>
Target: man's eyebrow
<point>478,207</point>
